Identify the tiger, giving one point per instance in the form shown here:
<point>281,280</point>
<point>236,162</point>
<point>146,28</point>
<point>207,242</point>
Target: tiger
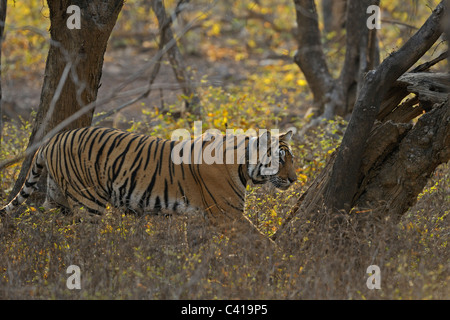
<point>92,167</point>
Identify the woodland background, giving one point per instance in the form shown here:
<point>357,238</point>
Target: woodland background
<point>240,59</point>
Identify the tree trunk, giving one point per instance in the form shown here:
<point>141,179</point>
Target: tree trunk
<point>309,56</point>
<point>362,54</point>
<point>446,28</point>
<point>384,161</point>
<point>334,14</point>
<point>73,68</point>
<point>183,76</point>
<point>335,96</point>
<point>391,187</point>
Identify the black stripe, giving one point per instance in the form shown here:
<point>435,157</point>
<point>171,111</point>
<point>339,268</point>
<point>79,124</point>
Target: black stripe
<point>122,190</point>
<point>242,175</point>
<point>90,210</point>
<point>24,194</point>
<point>157,206</point>
<point>93,137</point>
<point>237,192</point>
<point>148,154</point>
<point>118,162</point>
<point>182,171</point>
<point>30,184</point>
<point>133,182</point>
<point>233,206</point>
<point>183,195</point>
<point>171,165</point>
<point>148,192</point>
<point>166,193</point>
<point>98,171</point>
<point>161,156</point>
<point>156,149</point>
<point>207,189</point>
<point>72,166</point>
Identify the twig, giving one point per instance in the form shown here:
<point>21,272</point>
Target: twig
<point>399,23</point>
<point>55,98</point>
<point>429,64</point>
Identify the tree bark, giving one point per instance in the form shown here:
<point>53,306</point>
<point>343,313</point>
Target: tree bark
<point>384,161</point>
<point>73,68</point>
<point>446,28</point>
<point>334,14</point>
<point>392,186</point>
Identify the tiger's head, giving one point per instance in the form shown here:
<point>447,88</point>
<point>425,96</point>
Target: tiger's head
<point>275,162</point>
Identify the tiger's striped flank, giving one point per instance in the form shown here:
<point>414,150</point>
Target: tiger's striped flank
<point>91,167</point>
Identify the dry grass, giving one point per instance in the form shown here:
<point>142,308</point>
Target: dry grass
<point>129,257</point>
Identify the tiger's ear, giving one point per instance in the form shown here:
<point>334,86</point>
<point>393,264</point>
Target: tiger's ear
<point>286,136</point>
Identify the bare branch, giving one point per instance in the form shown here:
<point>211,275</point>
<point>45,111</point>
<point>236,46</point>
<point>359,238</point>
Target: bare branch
<point>391,21</point>
<point>429,64</point>
<point>174,54</point>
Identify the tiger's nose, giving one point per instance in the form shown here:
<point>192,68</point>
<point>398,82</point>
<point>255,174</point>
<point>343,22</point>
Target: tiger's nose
<point>292,180</point>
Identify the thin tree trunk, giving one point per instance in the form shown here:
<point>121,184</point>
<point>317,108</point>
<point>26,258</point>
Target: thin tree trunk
<point>361,54</point>
<point>334,14</point>
<point>309,56</point>
<point>73,68</point>
<point>335,96</point>
<point>183,76</point>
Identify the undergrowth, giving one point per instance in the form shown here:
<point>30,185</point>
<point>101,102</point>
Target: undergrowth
<point>128,257</point>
